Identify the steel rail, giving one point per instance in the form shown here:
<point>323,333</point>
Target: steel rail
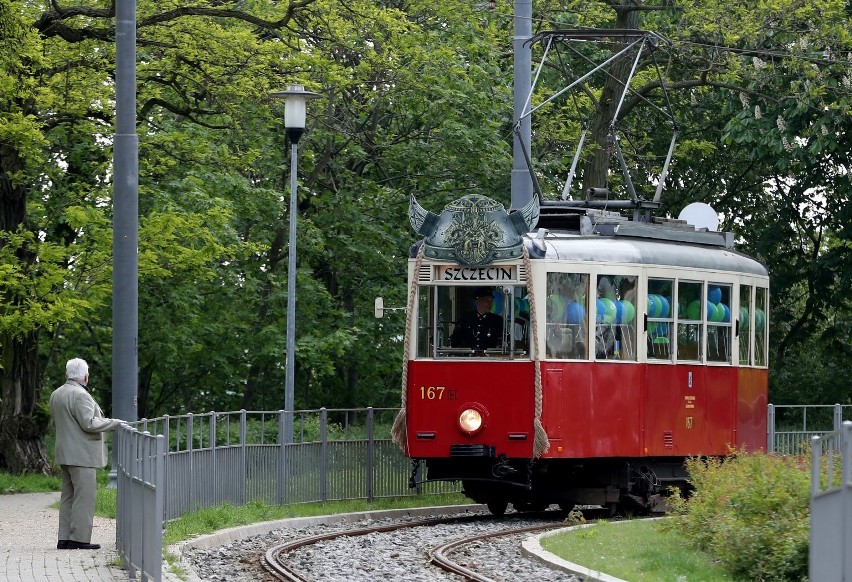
<point>440,554</point>
<point>274,562</point>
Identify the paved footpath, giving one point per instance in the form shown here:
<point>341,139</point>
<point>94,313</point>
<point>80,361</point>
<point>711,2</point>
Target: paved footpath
<point>28,530</point>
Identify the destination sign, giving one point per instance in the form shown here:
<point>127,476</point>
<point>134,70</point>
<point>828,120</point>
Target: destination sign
<point>493,274</point>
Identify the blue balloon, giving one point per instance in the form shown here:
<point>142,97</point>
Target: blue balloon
<point>666,307</point>
<point>575,313</point>
<point>727,316</point>
<point>759,319</point>
<point>619,312</point>
<point>711,311</point>
<point>714,294</point>
<point>653,307</point>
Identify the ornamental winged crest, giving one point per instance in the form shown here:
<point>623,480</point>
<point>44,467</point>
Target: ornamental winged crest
<point>473,230</point>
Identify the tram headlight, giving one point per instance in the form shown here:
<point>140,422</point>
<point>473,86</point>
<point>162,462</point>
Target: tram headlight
<point>470,421</point>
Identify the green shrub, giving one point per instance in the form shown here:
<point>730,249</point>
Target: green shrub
<point>750,511</point>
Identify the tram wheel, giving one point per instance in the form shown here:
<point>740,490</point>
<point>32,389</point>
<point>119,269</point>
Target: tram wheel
<point>497,506</point>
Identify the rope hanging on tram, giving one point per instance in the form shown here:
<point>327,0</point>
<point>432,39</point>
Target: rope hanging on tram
<point>540,441</point>
<point>399,427</point>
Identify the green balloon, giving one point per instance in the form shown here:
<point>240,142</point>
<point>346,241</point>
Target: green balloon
<point>693,310</point>
<point>629,311</point>
<point>718,312</point>
<point>744,320</point>
<point>609,310</point>
<point>711,312</point>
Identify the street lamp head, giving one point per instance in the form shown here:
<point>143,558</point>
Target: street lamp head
<point>295,99</point>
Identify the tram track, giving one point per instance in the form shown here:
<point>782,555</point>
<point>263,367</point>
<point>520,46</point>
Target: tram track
<point>440,555</point>
<point>275,563</point>
<point>280,563</point>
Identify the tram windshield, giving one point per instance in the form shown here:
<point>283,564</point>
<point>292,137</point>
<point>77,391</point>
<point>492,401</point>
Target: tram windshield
<point>473,321</point>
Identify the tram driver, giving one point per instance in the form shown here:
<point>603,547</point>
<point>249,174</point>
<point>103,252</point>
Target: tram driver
<point>479,329</point>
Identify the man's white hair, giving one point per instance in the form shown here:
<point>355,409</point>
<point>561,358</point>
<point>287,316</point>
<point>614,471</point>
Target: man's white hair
<point>76,369</point>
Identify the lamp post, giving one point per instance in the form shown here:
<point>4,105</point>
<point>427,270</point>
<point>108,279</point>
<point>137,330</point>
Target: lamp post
<point>295,100</point>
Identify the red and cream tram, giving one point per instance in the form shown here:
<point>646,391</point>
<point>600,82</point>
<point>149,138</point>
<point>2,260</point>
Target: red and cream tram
<point>626,347</point>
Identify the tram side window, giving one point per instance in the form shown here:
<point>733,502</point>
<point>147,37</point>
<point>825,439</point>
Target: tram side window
<point>692,311</point>
<point>745,324</point>
<point>718,323</point>
<point>615,318</point>
<point>660,318</point>
<point>426,331</point>
<point>566,332</point>
<point>761,326</point>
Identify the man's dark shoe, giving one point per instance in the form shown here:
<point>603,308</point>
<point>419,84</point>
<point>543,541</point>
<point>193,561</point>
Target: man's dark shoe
<point>72,545</point>
<point>62,545</point>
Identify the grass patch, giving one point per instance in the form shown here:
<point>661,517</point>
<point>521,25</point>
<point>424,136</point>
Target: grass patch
<point>209,520</point>
<point>28,483</point>
<point>105,502</point>
<point>639,551</point>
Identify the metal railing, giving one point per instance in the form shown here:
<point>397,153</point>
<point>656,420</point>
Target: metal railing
<point>831,506</point>
<point>790,428</point>
<point>205,460</point>
<point>140,470</point>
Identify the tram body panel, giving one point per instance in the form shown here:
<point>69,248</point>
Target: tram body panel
<point>752,402</point>
<point>438,391</point>
<point>592,409</point>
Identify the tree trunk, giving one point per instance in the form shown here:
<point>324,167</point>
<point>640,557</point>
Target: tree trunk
<point>22,424</point>
<point>597,168</point>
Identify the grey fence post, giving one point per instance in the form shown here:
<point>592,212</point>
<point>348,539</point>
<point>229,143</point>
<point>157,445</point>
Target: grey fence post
<point>323,454</point>
<point>167,495</point>
<point>816,462</point>
<point>159,503</point>
<point>214,481</point>
<point>243,459</point>
<point>838,417</point>
<point>770,428</point>
<point>189,449</point>
<point>371,451</point>
<point>282,458</point>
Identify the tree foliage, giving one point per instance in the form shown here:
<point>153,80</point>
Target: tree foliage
<point>416,97</point>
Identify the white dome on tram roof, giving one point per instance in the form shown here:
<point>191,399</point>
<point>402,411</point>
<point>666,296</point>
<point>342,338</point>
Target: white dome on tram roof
<point>700,215</point>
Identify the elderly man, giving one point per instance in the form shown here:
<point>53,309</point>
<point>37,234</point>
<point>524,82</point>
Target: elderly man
<point>80,450</point>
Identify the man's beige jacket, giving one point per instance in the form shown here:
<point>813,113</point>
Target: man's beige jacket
<point>80,427</point>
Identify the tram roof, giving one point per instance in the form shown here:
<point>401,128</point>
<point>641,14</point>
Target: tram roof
<point>596,248</point>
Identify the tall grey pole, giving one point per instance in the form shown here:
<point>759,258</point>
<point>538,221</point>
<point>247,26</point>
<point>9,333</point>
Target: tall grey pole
<point>125,237</point>
<point>295,104</point>
<point>521,180</point>
<point>289,381</point>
